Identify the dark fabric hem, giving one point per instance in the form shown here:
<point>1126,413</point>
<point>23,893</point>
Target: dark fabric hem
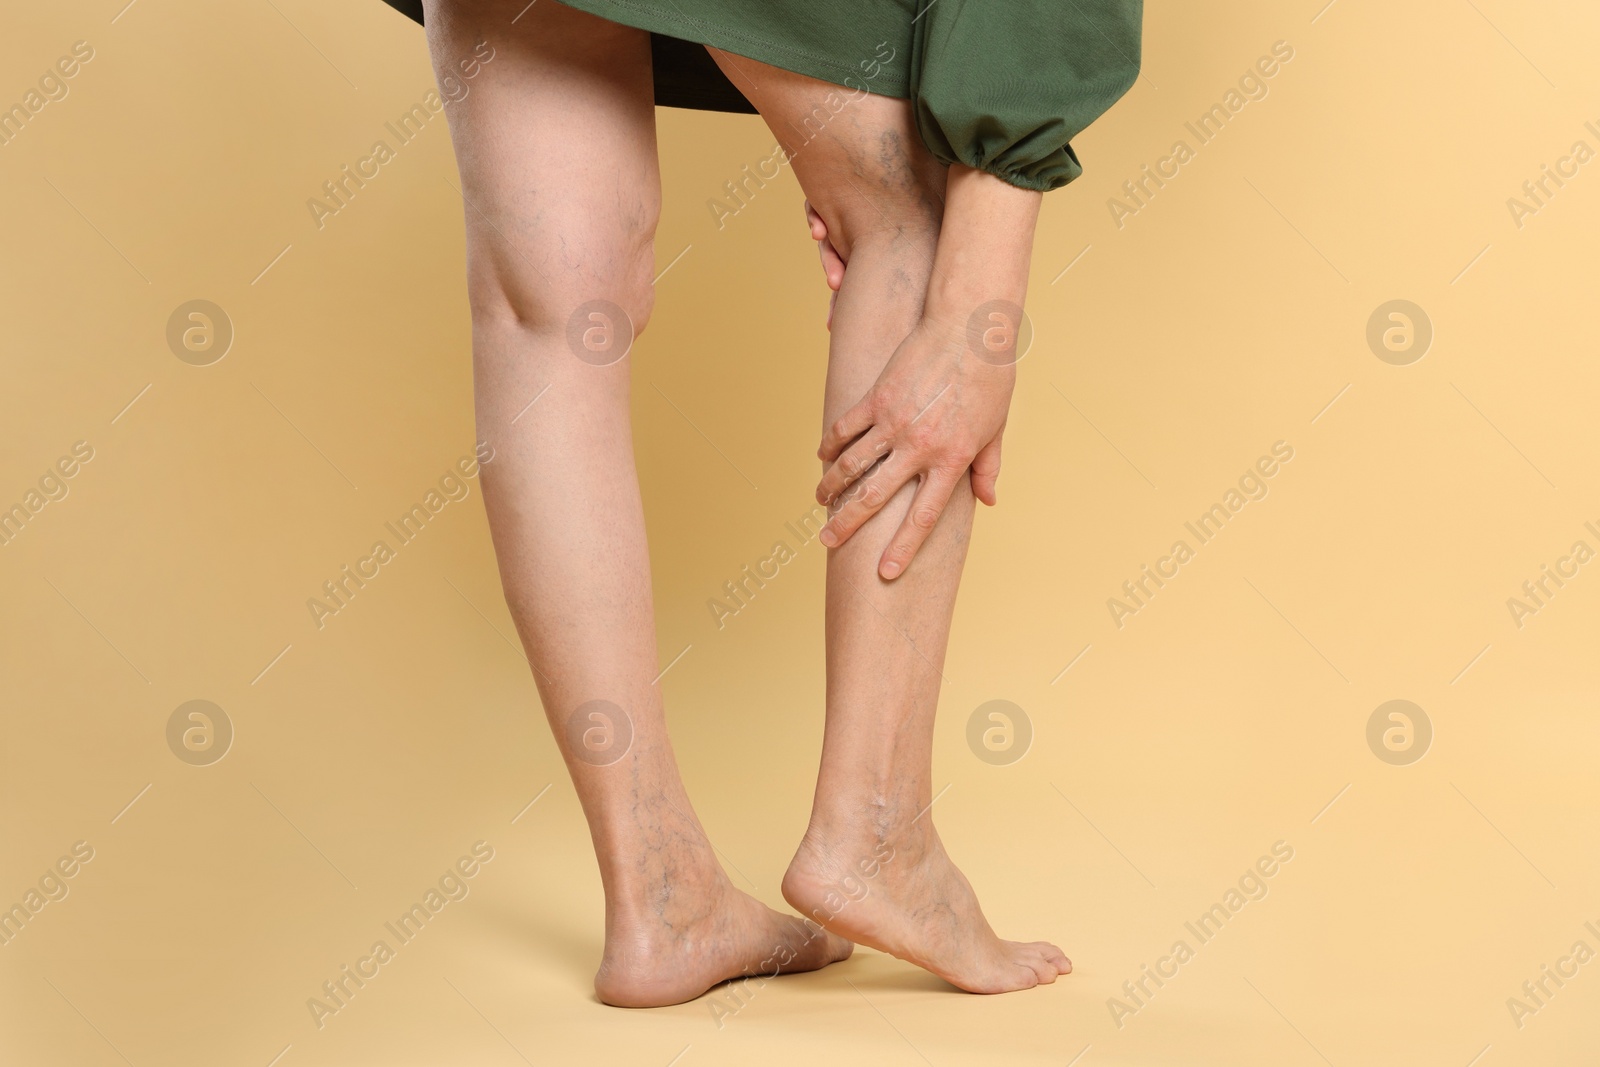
<point>411,9</point>
<point>685,74</point>
<point>699,31</point>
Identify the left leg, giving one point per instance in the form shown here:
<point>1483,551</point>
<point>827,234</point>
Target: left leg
<point>871,866</point>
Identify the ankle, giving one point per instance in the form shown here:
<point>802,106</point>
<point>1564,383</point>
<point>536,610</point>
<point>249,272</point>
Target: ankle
<point>898,815</point>
<point>662,890</point>
<point>852,850</point>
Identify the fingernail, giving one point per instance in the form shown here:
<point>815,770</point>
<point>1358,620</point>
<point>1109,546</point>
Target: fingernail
<point>890,569</point>
<point>828,537</point>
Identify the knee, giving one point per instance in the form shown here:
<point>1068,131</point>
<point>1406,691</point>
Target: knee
<point>590,304</point>
<point>597,289</point>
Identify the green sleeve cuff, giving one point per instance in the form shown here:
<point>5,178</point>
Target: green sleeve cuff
<point>1004,87</point>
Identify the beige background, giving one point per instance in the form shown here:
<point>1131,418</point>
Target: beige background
<point>1229,714</point>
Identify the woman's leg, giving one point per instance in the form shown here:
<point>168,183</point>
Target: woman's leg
<point>556,145</point>
<point>871,866</point>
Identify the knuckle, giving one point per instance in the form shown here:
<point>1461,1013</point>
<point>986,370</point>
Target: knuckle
<point>924,516</point>
<point>923,436</point>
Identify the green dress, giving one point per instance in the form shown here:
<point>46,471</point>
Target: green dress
<point>999,85</point>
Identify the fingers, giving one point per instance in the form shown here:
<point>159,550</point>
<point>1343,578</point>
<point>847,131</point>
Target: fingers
<point>865,501</point>
<point>819,229</point>
<point>845,428</point>
<point>852,464</point>
<point>986,472</point>
<point>832,263</point>
<point>926,507</point>
<point>866,495</point>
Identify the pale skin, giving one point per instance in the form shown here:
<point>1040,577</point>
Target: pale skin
<point>557,152</point>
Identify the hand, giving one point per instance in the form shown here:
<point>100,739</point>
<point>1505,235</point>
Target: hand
<point>937,411</point>
<point>832,262</point>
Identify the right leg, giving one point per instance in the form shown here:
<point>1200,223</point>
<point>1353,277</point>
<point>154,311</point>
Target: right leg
<point>556,145</point>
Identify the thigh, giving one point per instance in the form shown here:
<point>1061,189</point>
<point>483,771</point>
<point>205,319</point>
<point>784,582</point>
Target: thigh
<point>857,155</point>
<point>862,164</point>
<point>555,138</point>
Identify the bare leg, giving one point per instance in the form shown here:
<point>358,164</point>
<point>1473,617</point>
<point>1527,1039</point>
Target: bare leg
<point>556,144</point>
<point>871,866</point>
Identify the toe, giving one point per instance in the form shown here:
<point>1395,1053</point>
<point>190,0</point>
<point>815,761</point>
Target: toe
<point>1042,967</point>
<point>1055,957</point>
<point>1032,971</point>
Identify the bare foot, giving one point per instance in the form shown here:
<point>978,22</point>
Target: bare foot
<point>695,932</point>
<point>900,894</point>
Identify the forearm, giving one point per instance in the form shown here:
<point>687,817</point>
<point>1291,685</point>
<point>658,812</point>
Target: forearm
<point>985,244</point>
